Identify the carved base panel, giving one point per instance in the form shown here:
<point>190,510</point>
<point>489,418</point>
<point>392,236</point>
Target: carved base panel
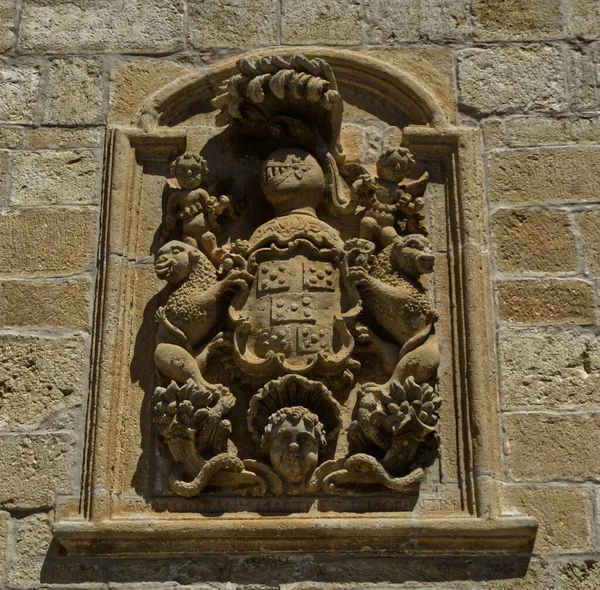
<point>293,343</point>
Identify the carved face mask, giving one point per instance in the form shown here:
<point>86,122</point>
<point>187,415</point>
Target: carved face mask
<point>294,450</point>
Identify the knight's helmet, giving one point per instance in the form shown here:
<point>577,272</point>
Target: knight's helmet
<point>291,105</point>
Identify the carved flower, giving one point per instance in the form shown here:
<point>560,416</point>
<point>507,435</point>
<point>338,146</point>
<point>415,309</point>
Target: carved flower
<point>299,166</point>
<point>181,409</point>
<point>412,408</point>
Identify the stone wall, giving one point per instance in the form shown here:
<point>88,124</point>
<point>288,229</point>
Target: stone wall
<point>526,71</point>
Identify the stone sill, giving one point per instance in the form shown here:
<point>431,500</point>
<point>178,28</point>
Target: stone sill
<point>342,533</point>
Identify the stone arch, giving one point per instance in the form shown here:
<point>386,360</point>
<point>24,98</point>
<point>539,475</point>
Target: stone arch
<point>371,77</point>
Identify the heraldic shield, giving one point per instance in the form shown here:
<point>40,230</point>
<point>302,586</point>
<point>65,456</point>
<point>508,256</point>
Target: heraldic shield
<point>298,313</point>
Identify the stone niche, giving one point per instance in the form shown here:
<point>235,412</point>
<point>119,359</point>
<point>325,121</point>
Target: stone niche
<point>293,346</point>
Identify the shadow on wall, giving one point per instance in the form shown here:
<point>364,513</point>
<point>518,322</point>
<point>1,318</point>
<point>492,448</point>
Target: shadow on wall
<point>272,571</point>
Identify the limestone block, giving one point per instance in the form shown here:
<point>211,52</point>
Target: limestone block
<point>236,23</point>
<point>11,136</point>
<point>549,367</point>
<point>533,131</point>
<point>533,241</point>
<point>33,535</point>
<point>562,175</point>
<point>563,514</point>
<point>57,138</point>
<point>65,241</point>
<point>19,86</point>
<point>336,22</point>
<point>566,573</point>
<point>61,177</point>
<point>398,21</point>
<point>4,522</point>
<point>546,302</point>
<point>542,447</point>
<point>581,79</point>
<point>507,79</point>
<point>74,94</point>
<point>493,132</point>
<point>39,377</point>
<point>129,26</point>
<point>507,19</point>
<point>44,303</point>
<point>589,225</point>
<point>132,82</point>
<point>585,19</point>
<point>8,13</point>
<point>35,467</point>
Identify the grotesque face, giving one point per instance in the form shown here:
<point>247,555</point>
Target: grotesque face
<point>413,255</point>
<point>291,175</point>
<point>293,439</point>
<point>188,170</point>
<point>174,261</point>
<point>394,164</point>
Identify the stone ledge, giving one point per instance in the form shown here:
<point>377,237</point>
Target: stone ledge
<point>342,533</point>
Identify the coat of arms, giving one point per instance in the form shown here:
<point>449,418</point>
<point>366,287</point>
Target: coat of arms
<point>294,301</point>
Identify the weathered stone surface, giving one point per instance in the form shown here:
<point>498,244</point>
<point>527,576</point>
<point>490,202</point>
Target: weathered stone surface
<point>400,21</point>
<point>563,515</point>
<point>533,241</point>
<point>522,19</point>
<point>433,67</point>
<point>584,18</point>
<point>35,467</point>
<point>133,26</point>
<point>39,377</point>
<point>57,138</point>
<point>535,130</point>
<point>352,140</point>
<point>589,225</point>
<point>74,95</point>
<point>44,303</point>
<point>65,241</point>
<point>213,23</point>
<point>19,87</point>
<point>8,13</point>
<point>581,78</point>
<point>336,22</point>
<point>32,540</point>
<point>4,523</point>
<point>493,132</point>
<point>131,83</point>
<point>543,447</point>
<point>3,175</point>
<point>546,302</point>
<point>508,79</point>
<point>49,177</point>
<point>562,175</point>
<point>11,136</point>
<point>549,367</point>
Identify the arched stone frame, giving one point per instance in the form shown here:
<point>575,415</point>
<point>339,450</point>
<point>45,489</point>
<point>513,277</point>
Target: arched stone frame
<point>110,518</point>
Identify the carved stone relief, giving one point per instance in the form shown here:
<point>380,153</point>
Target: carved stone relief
<point>285,317</point>
<point>268,369</point>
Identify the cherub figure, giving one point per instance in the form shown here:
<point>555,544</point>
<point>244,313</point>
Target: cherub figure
<point>389,196</point>
<point>294,438</point>
<point>191,209</point>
